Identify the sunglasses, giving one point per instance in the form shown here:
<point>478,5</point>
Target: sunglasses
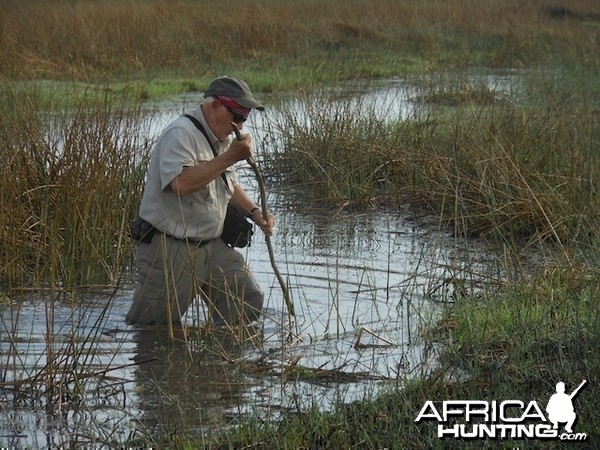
<point>237,118</point>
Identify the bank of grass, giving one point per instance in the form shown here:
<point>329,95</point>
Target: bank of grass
<point>285,44</point>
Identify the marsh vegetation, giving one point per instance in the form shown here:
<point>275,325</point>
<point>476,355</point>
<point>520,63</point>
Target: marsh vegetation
<point>515,171</point>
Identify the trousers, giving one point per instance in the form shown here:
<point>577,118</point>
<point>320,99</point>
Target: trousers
<point>172,272</point>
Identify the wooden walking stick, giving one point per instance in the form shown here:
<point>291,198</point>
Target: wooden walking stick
<point>263,202</point>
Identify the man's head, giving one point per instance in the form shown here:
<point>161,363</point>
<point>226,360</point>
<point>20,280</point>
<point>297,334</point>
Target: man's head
<point>228,100</point>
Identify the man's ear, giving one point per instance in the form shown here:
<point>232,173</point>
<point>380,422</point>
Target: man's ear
<point>215,104</point>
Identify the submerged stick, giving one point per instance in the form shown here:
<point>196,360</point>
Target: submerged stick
<point>263,201</point>
<point>358,344</point>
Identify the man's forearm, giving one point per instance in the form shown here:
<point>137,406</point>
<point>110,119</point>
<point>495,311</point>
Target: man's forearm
<point>243,199</point>
<point>194,178</point>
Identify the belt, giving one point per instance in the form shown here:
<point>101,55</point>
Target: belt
<point>196,242</point>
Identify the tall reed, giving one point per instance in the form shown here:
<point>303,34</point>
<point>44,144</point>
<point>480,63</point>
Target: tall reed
<point>71,181</point>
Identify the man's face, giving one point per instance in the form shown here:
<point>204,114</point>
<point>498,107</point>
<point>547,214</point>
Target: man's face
<point>222,117</point>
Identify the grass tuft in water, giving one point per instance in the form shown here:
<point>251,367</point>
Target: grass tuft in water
<point>71,182</point>
<point>509,168</point>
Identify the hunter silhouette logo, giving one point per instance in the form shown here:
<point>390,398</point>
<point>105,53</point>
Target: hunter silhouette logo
<point>508,419</point>
<point>560,407</point>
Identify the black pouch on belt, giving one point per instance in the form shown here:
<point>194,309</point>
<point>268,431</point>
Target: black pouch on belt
<point>142,231</point>
<point>237,230</point>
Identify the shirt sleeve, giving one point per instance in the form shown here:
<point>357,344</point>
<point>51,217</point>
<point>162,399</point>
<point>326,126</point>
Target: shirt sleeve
<point>178,150</point>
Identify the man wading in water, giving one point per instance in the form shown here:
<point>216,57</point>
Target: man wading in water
<point>188,187</point>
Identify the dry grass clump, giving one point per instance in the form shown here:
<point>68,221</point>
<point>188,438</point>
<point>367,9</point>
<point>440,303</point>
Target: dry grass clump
<point>70,187</point>
<point>518,172</point>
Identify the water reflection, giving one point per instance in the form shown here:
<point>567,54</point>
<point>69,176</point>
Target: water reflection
<point>188,383</point>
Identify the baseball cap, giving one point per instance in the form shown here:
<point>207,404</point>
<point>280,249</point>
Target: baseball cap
<point>236,89</point>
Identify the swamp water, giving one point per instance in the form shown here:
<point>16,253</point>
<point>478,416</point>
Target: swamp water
<point>365,288</point>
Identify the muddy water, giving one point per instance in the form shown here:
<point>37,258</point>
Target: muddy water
<point>365,287</point>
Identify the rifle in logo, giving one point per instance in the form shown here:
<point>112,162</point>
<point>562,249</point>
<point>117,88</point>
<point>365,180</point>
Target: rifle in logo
<point>576,391</point>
